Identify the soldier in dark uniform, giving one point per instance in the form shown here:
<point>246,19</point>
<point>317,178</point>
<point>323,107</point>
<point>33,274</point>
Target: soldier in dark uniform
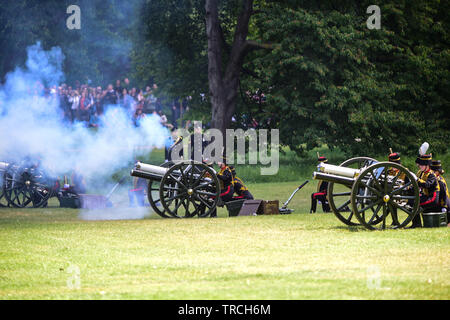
<point>78,182</point>
<point>226,181</point>
<point>239,187</point>
<point>138,192</point>
<point>395,158</point>
<point>321,194</point>
<point>444,196</point>
<point>429,188</point>
<point>198,144</point>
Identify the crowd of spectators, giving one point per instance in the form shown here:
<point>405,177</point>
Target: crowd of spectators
<point>86,103</point>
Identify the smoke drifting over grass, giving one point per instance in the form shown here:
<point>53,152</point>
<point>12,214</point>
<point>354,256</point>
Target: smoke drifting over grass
<point>32,125</point>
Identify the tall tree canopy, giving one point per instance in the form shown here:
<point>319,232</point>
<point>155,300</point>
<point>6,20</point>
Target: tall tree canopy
<point>99,51</point>
<point>331,80</point>
<point>328,78</point>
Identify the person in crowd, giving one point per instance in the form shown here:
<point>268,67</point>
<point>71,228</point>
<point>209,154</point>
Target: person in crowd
<point>109,96</point>
<point>74,101</point>
<point>83,109</point>
<point>118,89</point>
<point>138,116</point>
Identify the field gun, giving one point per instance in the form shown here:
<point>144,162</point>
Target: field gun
<point>25,185</point>
<point>377,195</point>
<point>180,189</point>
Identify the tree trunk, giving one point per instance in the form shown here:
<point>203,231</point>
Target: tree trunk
<point>223,84</point>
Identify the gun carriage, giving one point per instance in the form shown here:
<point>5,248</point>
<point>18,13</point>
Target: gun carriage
<point>25,185</point>
<point>181,189</point>
<point>377,195</point>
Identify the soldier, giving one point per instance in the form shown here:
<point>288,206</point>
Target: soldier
<point>239,187</point>
<point>138,192</point>
<point>321,194</point>
<point>395,158</point>
<point>444,196</point>
<point>226,181</point>
<point>429,188</point>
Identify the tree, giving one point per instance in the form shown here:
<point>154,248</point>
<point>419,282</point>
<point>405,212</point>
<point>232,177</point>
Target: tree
<point>191,48</point>
<point>329,79</point>
<point>99,51</point>
<point>224,76</point>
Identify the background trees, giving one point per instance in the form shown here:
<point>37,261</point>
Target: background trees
<point>326,79</point>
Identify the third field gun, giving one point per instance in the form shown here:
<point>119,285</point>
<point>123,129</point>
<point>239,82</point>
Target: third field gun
<point>25,185</point>
<point>377,195</point>
<point>181,190</point>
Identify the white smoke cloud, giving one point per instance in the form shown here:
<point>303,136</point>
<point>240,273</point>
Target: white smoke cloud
<point>31,125</point>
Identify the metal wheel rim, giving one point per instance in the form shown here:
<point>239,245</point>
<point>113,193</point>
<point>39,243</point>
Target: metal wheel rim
<point>174,190</point>
<point>153,194</point>
<point>338,211</point>
<point>24,188</point>
<point>386,192</point>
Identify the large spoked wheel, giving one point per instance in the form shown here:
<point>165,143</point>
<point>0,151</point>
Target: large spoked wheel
<point>3,200</point>
<point>385,195</point>
<point>339,195</point>
<point>189,188</point>
<point>26,188</point>
<point>153,194</point>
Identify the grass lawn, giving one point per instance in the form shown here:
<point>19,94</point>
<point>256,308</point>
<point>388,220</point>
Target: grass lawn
<point>53,253</point>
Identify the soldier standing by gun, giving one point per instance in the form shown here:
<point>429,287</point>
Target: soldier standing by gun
<point>444,196</point>
<point>429,188</point>
<point>321,194</point>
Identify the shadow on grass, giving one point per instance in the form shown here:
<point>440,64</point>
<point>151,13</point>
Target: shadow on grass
<point>351,228</point>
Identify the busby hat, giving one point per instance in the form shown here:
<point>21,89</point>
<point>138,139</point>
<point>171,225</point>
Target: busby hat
<point>322,159</point>
<point>424,160</point>
<point>436,166</point>
<point>394,157</point>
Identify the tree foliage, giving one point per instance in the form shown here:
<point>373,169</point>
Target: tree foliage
<point>99,51</point>
<point>332,80</point>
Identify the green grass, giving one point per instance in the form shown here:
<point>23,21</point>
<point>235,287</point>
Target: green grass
<point>297,256</point>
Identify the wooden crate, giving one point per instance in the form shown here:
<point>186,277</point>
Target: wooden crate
<point>258,207</point>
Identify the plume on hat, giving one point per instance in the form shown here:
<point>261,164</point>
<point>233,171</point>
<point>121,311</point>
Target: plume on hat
<point>423,148</point>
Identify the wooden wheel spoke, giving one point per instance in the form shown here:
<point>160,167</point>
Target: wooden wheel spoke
<point>396,191</point>
<point>378,193</point>
<point>396,205</point>
<point>342,207</point>
<point>178,181</point>
<point>203,201</point>
<point>177,196</point>
<point>340,194</point>
<point>205,193</point>
<point>370,206</point>
<point>375,213</point>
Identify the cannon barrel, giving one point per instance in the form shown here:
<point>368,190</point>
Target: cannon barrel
<point>152,172</point>
<point>3,166</point>
<point>333,178</point>
<point>338,170</point>
<point>148,171</point>
<point>336,174</point>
